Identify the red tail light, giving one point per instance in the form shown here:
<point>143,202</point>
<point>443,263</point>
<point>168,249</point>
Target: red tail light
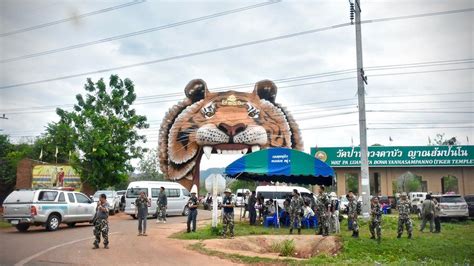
<point>33,211</point>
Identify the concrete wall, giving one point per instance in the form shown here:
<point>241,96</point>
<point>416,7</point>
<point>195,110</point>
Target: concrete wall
<point>432,175</point>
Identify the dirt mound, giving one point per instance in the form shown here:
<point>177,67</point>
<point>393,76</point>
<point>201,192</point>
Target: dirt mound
<point>271,246</point>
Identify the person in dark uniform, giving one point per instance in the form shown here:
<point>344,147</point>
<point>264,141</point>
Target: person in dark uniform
<point>101,223</point>
<point>192,205</point>
<point>228,213</point>
<point>141,211</point>
<point>252,210</point>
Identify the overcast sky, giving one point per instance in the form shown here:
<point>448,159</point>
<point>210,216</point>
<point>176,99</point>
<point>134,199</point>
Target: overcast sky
<point>436,101</point>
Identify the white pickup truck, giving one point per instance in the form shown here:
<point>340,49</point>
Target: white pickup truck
<point>48,208</point>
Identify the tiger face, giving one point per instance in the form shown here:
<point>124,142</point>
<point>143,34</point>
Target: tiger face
<point>222,123</point>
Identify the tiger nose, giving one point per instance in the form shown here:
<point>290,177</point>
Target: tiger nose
<point>231,130</point>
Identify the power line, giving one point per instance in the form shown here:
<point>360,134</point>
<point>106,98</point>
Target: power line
<point>224,48</point>
<point>408,111</point>
<point>422,102</point>
<point>419,95</point>
<point>398,128</point>
<point>289,79</point>
<point>131,34</point>
<point>76,17</point>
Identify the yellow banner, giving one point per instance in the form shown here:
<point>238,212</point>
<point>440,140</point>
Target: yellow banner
<point>48,176</point>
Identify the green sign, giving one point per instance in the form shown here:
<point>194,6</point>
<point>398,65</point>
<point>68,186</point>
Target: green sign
<point>398,156</point>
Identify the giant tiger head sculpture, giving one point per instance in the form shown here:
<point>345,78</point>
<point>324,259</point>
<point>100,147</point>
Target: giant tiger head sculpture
<point>223,123</point>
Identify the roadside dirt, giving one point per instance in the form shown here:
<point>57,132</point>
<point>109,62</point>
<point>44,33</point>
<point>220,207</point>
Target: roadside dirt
<point>127,248</point>
<point>306,246</point>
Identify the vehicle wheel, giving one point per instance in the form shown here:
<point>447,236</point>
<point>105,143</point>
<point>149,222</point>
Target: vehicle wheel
<point>71,225</point>
<point>185,211</point>
<point>22,227</point>
<point>134,216</point>
<point>53,222</point>
<point>462,219</point>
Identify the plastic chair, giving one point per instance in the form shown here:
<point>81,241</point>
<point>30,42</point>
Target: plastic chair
<point>270,220</point>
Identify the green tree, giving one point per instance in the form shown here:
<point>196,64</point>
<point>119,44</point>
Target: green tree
<point>352,183</point>
<point>148,167</point>
<point>103,127</point>
<point>238,184</point>
<point>450,184</point>
<point>10,156</point>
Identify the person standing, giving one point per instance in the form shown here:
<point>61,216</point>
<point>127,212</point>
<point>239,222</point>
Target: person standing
<point>252,211</point>
<point>352,216</point>
<point>246,203</point>
<point>192,205</point>
<point>404,208</point>
<point>323,213</point>
<point>162,205</point>
<point>296,210</point>
<point>228,213</point>
<point>101,223</point>
<point>141,211</point>
<point>375,219</point>
<point>427,211</point>
<point>437,221</point>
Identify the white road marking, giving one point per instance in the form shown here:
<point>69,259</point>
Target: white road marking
<point>26,260</point>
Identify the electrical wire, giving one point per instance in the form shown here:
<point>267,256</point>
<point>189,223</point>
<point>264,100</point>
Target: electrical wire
<point>224,48</point>
<point>131,34</point>
<point>76,17</point>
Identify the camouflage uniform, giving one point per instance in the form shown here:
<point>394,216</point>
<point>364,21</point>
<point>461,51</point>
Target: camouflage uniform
<point>375,220</point>
<point>296,207</point>
<point>101,225</point>
<point>404,208</point>
<point>352,216</point>
<point>323,213</point>
<point>228,215</point>
<point>162,204</point>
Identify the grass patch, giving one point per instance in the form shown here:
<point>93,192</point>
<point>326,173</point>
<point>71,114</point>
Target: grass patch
<point>454,245</point>
<point>4,224</point>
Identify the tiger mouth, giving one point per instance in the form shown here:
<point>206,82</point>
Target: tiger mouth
<point>229,148</point>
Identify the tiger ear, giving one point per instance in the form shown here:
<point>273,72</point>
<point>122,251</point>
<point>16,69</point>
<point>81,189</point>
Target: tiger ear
<point>196,90</point>
<point>266,90</point>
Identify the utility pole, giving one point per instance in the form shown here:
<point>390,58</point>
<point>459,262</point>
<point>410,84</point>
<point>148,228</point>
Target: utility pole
<point>361,81</point>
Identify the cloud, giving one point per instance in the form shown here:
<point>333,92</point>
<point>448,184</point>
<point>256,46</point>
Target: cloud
<point>395,42</point>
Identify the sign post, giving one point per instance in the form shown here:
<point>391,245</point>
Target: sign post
<point>216,184</point>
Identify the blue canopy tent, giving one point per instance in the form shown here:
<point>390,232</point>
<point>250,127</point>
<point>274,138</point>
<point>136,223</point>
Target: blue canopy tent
<point>283,165</point>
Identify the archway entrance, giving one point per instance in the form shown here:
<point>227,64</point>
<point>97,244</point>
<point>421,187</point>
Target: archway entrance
<point>352,182</point>
<point>409,182</point>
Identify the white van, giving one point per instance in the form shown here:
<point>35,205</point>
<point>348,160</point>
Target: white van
<point>280,193</point>
<point>240,195</point>
<point>178,197</point>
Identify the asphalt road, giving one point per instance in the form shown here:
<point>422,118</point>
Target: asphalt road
<point>33,246</point>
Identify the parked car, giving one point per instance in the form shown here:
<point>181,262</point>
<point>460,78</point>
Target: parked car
<point>112,197</point>
<point>416,206</point>
<point>343,202</point>
<point>452,206</point>
<point>178,197</point>
<point>48,208</point>
<point>470,204</point>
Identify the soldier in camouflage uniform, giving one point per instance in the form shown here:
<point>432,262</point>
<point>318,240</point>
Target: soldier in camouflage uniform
<point>375,219</point>
<point>162,205</point>
<point>352,214</point>
<point>228,214</point>
<point>404,208</point>
<point>296,208</point>
<point>101,224</point>
<point>323,212</point>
